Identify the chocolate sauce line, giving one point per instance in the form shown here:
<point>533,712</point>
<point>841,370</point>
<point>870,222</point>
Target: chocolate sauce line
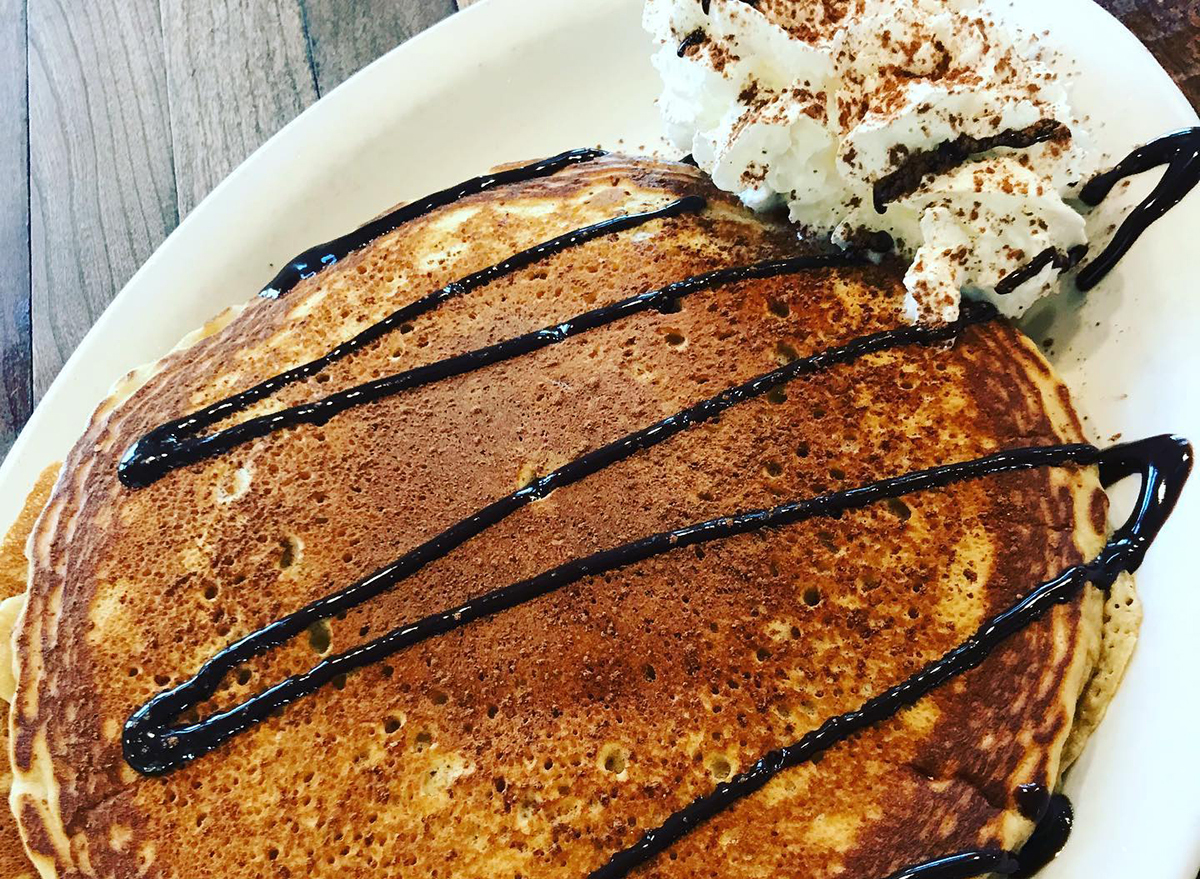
<point>1180,152</point>
<point>1048,257</point>
<point>1052,826</point>
<point>172,445</point>
<point>324,255</point>
<point>912,171</point>
<point>152,747</point>
<point>962,865</point>
<point>1049,836</point>
<point>1163,462</point>
<point>695,38</point>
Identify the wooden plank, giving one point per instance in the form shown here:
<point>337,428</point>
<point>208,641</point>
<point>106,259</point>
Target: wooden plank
<point>103,191</point>
<point>16,342</point>
<point>347,35</point>
<point>1171,31</point>
<point>237,71</point>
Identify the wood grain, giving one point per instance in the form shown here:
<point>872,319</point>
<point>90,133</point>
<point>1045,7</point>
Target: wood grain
<point>1171,31</point>
<point>237,71</point>
<point>16,354</point>
<point>346,37</point>
<point>102,185</point>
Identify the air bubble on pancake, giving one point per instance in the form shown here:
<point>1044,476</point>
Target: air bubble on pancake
<point>778,307</point>
<point>773,469</point>
<point>812,596</point>
<point>642,373</point>
<point>320,636</point>
<point>777,396</point>
<point>291,548</point>
<point>614,758</point>
<point>719,766</point>
<point>898,508</point>
<point>674,337</point>
<point>422,741</point>
<point>785,354</point>
<point>234,487</point>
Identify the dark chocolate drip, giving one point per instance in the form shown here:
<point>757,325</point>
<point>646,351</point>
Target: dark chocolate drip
<point>1180,152</point>
<point>1163,462</point>
<point>1052,826</point>
<point>915,167</point>
<point>1032,801</point>
<point>321,256</point>
<point>695,38</point>
<point>1048,257</point>
<point>705,6</point>
<point>1049,837</point>
<point>689,159</point>
<point>152,747</point>
<point>175,444</point>
<point>963,865</point>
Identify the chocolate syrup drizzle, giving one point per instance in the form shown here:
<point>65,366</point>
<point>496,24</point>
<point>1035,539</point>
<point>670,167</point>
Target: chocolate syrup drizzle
<point>1052,827</point>
<point>695,38</point>
<point>153,746</point>
<point>1048,257</point>
<point>324,255</point>
<point>962,865</point>
<point>1163,463</point>
<point>1180,152</point>
<point>175,444</point>
<point>907,178</point>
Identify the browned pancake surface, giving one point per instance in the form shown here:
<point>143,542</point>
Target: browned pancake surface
<point>539,742</point>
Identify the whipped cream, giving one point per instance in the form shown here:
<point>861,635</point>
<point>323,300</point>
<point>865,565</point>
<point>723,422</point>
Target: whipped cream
<point>935,105</point>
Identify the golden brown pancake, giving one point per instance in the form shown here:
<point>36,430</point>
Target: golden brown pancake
<point>540,741</point>
<point>13,577</point>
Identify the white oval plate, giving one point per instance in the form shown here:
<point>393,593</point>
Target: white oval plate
<point>514,79</point>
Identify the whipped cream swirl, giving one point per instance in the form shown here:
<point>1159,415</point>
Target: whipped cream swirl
<point>923,124</point>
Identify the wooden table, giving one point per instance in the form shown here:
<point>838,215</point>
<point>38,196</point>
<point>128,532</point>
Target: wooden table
<point>120,115</point>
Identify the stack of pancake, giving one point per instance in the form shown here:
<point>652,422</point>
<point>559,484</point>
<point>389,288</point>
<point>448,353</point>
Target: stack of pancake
<point>538,742</point>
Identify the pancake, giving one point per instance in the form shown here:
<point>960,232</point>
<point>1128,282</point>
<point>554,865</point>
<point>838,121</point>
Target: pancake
<point>541,740</point>
<point>13,577</point>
